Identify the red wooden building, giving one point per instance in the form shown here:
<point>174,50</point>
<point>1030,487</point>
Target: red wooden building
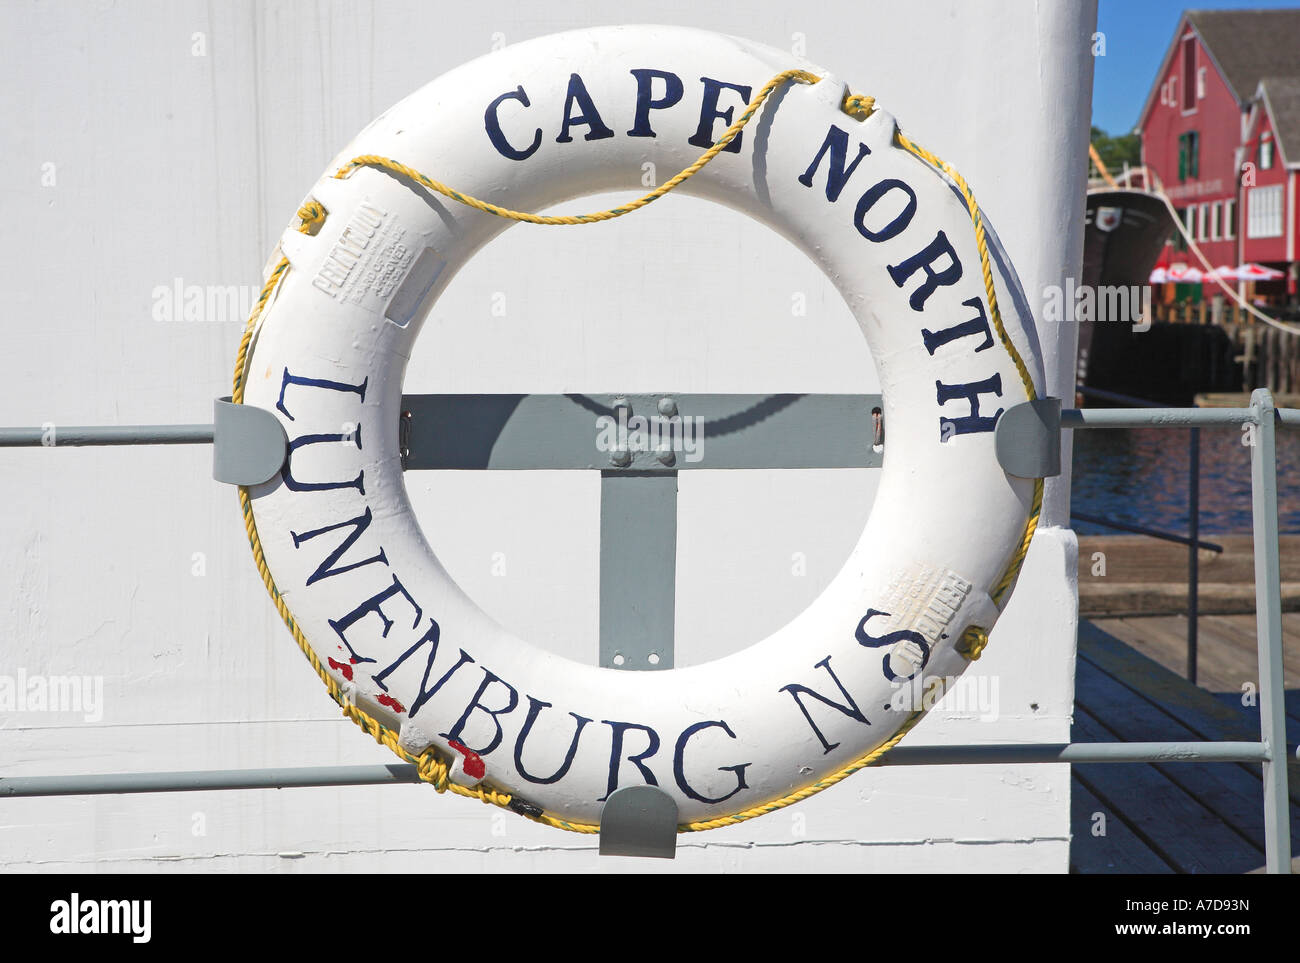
<point>1221,130</point>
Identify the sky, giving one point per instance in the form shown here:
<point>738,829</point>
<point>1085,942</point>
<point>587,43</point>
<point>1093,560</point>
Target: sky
<point>1138,33</point>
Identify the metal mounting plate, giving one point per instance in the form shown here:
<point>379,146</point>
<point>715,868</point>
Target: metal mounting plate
<point>639,821</point>
<point>1027,439</point>
<point>249,443</point>
<point>575,431</point>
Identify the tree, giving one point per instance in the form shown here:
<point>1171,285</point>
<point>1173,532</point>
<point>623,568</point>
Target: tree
<point>1114,151</point>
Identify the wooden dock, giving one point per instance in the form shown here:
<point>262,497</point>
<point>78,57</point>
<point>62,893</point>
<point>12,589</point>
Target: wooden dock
<point>1127,575</point>
<point>1175,817</point>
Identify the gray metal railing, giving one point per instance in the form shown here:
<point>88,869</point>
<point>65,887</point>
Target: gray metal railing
<point>1193,538</point>
<point>836,417</point>
<point>1265,418</point>
<point>399,773</point>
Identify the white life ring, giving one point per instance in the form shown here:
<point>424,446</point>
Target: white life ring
<point>410,656</point>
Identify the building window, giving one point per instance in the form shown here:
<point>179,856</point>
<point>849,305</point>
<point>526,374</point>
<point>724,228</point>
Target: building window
<point>1229,220</point>
<point>1200,84</point>
<point>1265,154</point>
<point>1216,216</point>
<point>1264,211</point>
<point>1178,241</point>
<point>1204,225</point>
<point>1189,73</point>
<point>1189,221</point>
<point>1189,161</point>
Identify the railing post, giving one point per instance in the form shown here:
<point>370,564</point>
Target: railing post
<point>1268,615</point>
<point>1193,549</point>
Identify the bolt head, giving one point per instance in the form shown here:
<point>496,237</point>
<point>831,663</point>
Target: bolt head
<point>667,407</point>
<point>620,459</point>
<point>667,458</point>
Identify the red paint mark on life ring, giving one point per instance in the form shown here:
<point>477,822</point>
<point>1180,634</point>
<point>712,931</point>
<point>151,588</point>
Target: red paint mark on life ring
<point>342,667</point>
<point>475,767</point>
<point>387,700</point>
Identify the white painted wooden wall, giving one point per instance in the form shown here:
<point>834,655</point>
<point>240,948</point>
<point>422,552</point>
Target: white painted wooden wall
<point>149,142</point>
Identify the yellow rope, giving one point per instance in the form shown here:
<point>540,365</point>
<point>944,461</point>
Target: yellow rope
<point>385,163</point>
<point>432,768</point>
<point>974,639</point>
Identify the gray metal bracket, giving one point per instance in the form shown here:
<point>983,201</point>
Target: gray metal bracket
<point>639,442</point>
<point>572,431</point>
<point>639,821</point>
<point>1027,439</point>
<point>249,443</point>
<point>638,570</point>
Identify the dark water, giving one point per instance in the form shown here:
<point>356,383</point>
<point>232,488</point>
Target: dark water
<point>1139,476</point>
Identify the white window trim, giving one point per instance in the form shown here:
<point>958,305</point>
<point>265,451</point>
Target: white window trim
<point>1264,212</point>
<point>1205,222</point>
<point>1200,83</point>
<point>1289,215</point>
<point>1230,219</point>
<point>1216,220</point>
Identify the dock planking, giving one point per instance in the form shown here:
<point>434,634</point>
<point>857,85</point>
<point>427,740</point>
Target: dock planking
<point>1137,575</point>
<point>1228,791</point>
<point>1108,846</point>
<point>1227,651</point>
<point>1227,657</point>
<point>1170,822</point>
<point>1184,817</point>
<point>1209,717</point>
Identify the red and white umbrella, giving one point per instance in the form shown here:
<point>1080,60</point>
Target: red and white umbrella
<point>1222,273</point>
<point>1257,272</point>
<point>1186,275</point>
<point>1159,276</point>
